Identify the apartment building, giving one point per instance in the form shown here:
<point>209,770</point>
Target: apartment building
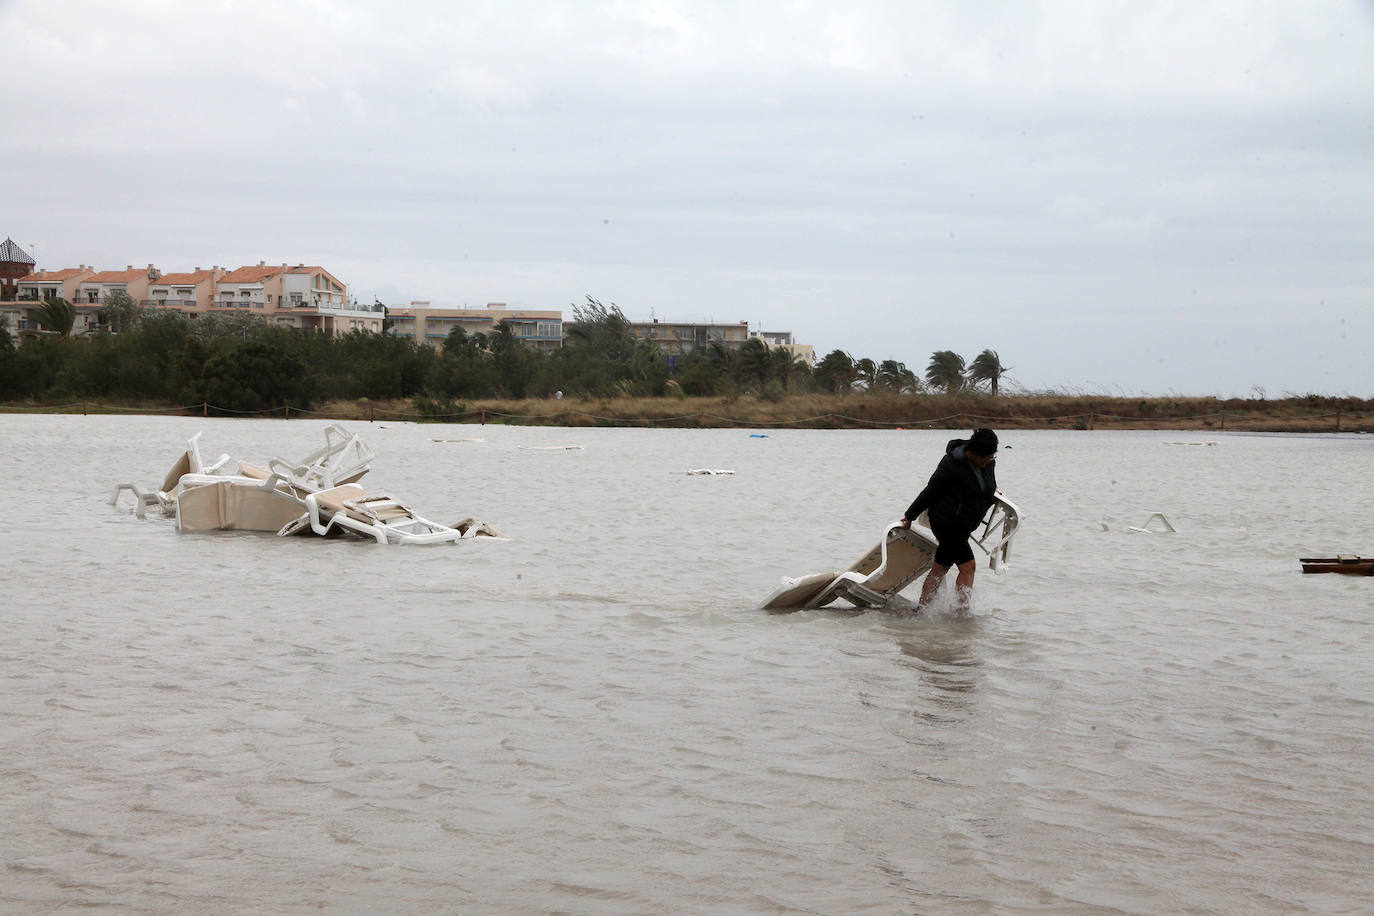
<point>307,298</point>
<point>784,339</point>
<point>52,284</point>
<point>537,328</point>
<point>44,284</point>
<point>94,291</point>
<point>192,292</point>
<point>677,338</point>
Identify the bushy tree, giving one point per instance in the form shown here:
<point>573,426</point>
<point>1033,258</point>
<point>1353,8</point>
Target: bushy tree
<point>602,331</point>
<point>122,311</point>
<point>258,374</point>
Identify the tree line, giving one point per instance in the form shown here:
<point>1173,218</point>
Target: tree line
<point>243,363</point>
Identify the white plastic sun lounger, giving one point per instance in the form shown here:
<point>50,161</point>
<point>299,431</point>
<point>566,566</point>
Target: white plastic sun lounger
<point>344,459</point>
<point>901,556</point>
<point>350,508</point>
<point>316,495</point>
<point>189,462</point>
<point>209,502</point>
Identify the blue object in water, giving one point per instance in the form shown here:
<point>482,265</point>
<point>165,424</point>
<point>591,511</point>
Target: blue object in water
<point>757,436</point>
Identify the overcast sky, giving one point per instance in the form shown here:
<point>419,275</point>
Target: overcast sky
<point>1118,197</point>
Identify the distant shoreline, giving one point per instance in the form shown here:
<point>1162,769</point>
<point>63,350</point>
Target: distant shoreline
<point>1307,414</point>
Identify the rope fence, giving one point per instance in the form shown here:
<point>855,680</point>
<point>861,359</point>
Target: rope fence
<point>827,420</point>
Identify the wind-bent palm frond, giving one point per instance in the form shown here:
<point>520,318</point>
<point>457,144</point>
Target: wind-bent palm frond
<point>835,372</point>
<point>946,370</point>
<point>987,367</point>
<point>56,315</point>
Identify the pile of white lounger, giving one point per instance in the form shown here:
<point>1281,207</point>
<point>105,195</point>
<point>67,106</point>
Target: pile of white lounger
<point>317,495</point>
<point>901,557</point>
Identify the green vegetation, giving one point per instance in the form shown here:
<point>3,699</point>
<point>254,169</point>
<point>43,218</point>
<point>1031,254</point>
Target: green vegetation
<point>603,375</point>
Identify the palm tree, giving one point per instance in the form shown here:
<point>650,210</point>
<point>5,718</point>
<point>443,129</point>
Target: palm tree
<point>783,364</point>
<point>754,361</point>
<point>946,370</point>
<point>55,315</point>
<point>502,337</point>
<point>723,358</point>
<point>835,372</point>
<point>987,367</point>
<point>456,341</point>
<point>866,373</point>
<point>895,376</point>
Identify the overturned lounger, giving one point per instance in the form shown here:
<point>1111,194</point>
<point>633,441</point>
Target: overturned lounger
<point>900,557</point>
<point>388,520</point>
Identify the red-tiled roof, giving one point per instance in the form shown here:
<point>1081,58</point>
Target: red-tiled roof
<point>250,274</point>
<point>186,279</point>
<point>53,275</point>
<point>117,276</point>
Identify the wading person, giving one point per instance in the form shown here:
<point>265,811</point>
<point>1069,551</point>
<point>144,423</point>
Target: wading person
<point>959,494</point>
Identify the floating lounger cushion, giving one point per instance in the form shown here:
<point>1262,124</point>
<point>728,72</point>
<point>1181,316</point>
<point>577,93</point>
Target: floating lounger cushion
<point>253,471</point>
<point>181,468</point>
<point>234,505</point>
<point>797,593</point>
<point>354,500</point>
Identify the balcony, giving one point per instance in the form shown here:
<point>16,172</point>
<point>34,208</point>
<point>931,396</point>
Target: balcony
<point>169,303</point>
<point>238,304</point>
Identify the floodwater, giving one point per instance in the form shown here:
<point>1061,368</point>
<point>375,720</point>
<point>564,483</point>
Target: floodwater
<point>592,717</point>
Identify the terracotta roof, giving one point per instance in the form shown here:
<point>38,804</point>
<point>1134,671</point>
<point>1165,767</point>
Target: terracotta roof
<point>186,279</point>
<point>54,275</point>
<point>250,274</point>
<point>13,253</point>
<point>117,276</point>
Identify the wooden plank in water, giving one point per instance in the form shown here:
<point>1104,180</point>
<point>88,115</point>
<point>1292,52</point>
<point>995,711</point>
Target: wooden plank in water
<point>1346,564</point>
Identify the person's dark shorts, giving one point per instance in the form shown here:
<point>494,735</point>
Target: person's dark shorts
<point>954,547</point>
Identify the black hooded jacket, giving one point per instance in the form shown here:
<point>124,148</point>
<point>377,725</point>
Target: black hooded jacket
<point>958,494</point>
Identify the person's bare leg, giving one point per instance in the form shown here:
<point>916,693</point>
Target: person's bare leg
<point>963,583</point>
<point>932,584</point>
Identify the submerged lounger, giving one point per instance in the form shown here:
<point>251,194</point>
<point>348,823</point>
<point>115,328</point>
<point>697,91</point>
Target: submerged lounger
<point>385,518</point>
<point>901,557</point>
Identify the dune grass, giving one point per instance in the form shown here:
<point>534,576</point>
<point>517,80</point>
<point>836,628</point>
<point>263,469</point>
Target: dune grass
<point>891,411</point>
<point>1310,413</point>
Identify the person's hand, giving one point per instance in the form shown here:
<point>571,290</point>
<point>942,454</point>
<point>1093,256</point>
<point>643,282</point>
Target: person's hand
<point>905,522</point>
